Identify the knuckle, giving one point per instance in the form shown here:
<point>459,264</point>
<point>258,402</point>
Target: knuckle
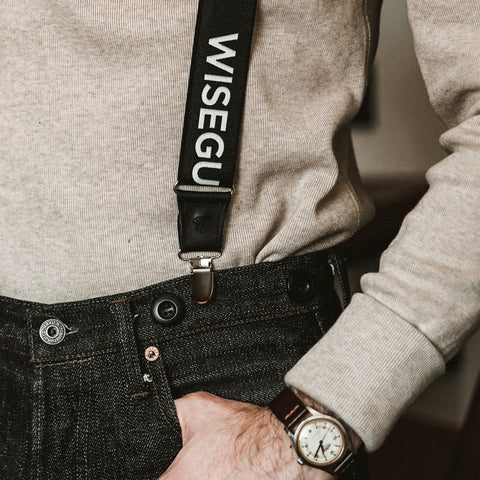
<point>200,396</point>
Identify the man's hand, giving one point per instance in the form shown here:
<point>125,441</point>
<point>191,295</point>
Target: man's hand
<point>228,440</point>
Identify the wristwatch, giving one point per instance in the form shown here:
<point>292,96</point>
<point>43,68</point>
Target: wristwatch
<point>319,440</point>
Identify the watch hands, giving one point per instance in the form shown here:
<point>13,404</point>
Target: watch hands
<point>320,447</point>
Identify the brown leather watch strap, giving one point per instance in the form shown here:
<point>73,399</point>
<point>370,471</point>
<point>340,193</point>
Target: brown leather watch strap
<point>289,409</point>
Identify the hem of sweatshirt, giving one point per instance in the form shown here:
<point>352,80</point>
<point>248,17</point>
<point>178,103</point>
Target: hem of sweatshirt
<point>368,368</point>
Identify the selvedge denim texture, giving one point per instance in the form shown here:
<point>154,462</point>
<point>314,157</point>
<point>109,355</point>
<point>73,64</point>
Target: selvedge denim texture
<point>93,407</point>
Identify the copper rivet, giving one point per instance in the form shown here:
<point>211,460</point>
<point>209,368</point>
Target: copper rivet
<point>152,353</point>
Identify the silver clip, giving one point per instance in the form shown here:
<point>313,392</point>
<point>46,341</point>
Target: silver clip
<point>201,280</point>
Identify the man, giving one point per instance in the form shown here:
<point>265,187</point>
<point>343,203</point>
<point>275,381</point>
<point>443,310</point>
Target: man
<point>93,97</point>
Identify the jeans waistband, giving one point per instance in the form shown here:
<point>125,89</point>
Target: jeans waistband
<point>68,331</point>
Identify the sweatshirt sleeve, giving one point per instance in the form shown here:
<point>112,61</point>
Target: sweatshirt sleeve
<point>416,312</point>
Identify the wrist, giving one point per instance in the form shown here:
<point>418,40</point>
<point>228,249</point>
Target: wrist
<point>355,441</point>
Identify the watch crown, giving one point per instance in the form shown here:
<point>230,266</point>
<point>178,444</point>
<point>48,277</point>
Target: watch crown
<point>300,461</point>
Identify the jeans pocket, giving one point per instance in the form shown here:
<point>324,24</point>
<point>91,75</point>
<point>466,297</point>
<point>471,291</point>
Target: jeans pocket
<point>244,362</point>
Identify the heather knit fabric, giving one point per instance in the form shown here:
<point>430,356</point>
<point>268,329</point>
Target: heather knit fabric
<point>92,97</point>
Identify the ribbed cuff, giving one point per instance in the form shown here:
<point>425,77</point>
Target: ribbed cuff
<point>368,368</point>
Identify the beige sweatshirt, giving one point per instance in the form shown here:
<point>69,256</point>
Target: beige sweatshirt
<point>92,97</point>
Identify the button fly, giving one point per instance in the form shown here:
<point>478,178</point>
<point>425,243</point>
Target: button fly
<point>300,286</point>
<point>52,331</point>
<point>168,309</point>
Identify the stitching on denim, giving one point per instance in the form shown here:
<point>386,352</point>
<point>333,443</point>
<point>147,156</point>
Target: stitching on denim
<point>97,326</point>
<point>70,362</point>
<point>165,388</point>
<point>7,425</point>
<point>123,338</point>
<point>77,355</point>
<point>87,420</point>
<point>77,429</point>
<point>143,394</point>
<point>120,300</point>
<point>124,315</point>
<point>24,354</point>
<point>238,322</point>
<point>37,440</point>
<point>31,334</point>
<point>158,398</point>
<point>25,446</point>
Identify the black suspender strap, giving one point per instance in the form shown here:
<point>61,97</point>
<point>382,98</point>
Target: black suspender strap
<point>211,131</point>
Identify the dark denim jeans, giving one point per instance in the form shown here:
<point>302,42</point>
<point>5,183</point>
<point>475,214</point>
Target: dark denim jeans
<point>97,403</point>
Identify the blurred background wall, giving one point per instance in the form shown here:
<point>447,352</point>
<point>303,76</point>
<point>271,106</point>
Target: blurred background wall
<point>404,136</point>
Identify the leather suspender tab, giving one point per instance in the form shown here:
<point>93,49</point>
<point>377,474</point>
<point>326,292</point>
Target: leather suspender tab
<point>201,219</point>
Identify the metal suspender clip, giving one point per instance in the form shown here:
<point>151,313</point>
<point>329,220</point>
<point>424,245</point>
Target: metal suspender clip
<point>201,280</point>
<point>201,277</point>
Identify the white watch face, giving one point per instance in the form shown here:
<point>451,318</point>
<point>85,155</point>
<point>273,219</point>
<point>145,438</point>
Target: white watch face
<point>320,441</point>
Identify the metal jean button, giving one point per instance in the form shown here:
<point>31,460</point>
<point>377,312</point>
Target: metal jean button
<point>52,331</point>
<point>152,354</point>
<point>168,309</point>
